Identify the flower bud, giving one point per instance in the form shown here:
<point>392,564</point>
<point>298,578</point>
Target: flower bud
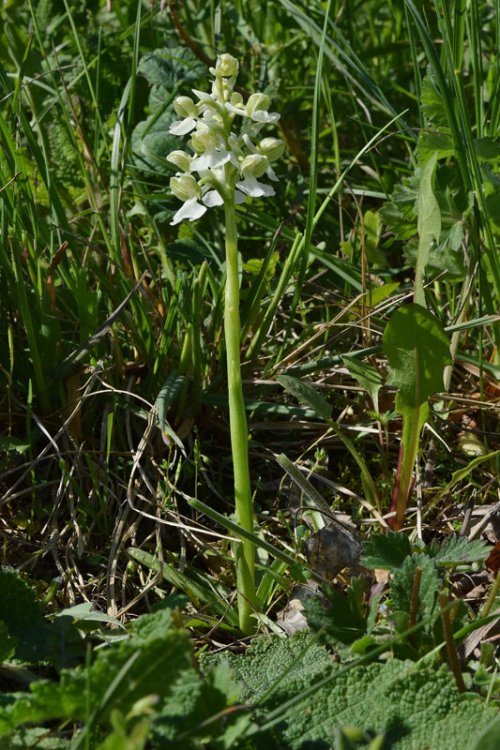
<point>227,65</point>
<point>272,148</point>
<point>185,107</point>
<point>184,187</point>
<point>180,159</point>
<point>257,101</point>
<point>254,165</point>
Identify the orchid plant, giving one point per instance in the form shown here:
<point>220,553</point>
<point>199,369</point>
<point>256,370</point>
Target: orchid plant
<point>227,161</point>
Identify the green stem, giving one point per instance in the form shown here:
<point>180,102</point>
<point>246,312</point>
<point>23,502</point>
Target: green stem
<point>245,551</point>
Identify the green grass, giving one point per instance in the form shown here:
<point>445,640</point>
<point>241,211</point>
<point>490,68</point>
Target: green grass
<point>114,432</point>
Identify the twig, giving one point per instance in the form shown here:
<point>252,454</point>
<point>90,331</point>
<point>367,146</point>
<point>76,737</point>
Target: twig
<point>451,648</point>
<point>414,602</point>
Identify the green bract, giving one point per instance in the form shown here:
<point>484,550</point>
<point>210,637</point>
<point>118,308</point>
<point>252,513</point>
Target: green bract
<point>226,163</point>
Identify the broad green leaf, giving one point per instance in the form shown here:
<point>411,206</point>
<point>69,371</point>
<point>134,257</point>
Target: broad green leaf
<point>418,350</point>
<point>428,224</point>
<point>378,294</point>
<point>432,142</point>
<point>399,212</point>
<point>22,617</point>
<point>151,143</point>
<point>345,618</point>
<point>307,395</point>
<point>372,223</point>
<point>432,102</point>
<point>170,66</point>
<point>8,443</point>
<point>7,643</point>
<point>386,551</point>
<point>487,149</point>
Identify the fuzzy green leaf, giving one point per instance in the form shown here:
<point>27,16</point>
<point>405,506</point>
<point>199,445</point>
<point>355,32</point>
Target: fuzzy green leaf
<point>415,707</point>
<point>458,550</point>
<point>170,66</point>
<point>489,738</point>
<point>386,551</point>
<point>148,662</point>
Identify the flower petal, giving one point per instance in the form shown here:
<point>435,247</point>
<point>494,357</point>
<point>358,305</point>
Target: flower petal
<point>239,197</point>
<point>254,189</point>
<point>190,210</point>
<point>212,198</point>
<point>181,127</point>
<point>235,110</point>
<point>248,143</point>
<point>202,95</point>
<point>271,174</point>
<point>209,160</point>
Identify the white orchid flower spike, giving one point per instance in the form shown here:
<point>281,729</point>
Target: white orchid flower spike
<point>225,164</point>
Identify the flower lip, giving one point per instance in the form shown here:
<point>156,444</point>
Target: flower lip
<point>260,115</point>
<point>210,160</point>
<point>182,127</point>
<point>213,198</point>
<point>255,189</point>
<point>191,210</point>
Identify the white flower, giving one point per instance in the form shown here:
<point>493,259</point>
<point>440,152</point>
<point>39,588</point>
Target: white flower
<point>226,65</point>
<point>225,164</point>
<point>185,107</point>
<point>254,165</point>
<point>180,159</point>
<point>184,187</point>
<point>204,138</point>
<point>272,148</point>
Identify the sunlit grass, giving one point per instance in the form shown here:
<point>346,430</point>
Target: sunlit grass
<point>109,314</point>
